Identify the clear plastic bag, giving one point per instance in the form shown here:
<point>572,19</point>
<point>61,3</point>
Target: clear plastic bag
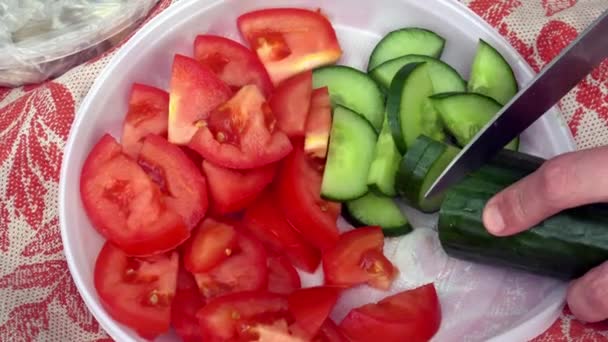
<point>43,38</point>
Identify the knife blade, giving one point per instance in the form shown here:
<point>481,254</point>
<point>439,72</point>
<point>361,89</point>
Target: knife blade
<point>562,74</point>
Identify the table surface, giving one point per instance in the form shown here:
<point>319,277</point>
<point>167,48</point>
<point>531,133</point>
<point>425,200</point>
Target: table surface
<point>38,299</point>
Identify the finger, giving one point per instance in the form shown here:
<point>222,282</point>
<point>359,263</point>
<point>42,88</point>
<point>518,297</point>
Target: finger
<point>588,296</point>
<point>567,181</point>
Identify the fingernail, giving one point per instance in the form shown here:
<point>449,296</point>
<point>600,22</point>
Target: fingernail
<point>493,219</point>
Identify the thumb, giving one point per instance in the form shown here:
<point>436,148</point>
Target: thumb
<point>588,296</point>
<point>567,181</point>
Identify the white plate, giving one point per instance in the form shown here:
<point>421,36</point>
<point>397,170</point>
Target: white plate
<point>478,302</point>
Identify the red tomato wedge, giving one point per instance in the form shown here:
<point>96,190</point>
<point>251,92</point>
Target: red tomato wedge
<point>290,103</point>
<point>357,258</point>
<point>147,114</point>
<point>299,197</point>
<point>244,270</point>
<point>282,276</point>
<point>290,40</point>
<point>412,315</point>
<point>329,332</point>
<point>177,176</point>
<point>311,306</point>
<point>186,303</point>
<point>137,291</point>
<point>267,223</point>
<point>233,62</point>
<point>239,316</point>
<point>233,190</point>
<point>212,243</point>
<point>195,91</point>
<point>240,134</point>
<point>318,125</point>
<point>125,205</point>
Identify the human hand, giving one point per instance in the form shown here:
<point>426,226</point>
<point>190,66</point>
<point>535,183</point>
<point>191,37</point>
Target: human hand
<point>567,181</point>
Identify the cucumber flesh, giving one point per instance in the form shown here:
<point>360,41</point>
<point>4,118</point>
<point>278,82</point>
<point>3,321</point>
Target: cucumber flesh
<point>565,246</point>
<point>377,210</point>
<point>465,114</point>
<point>349,156</point>
<point>406,41</point>
<point>382,171</point>
<point>491,74</point>
<point>410,113</point>
<point>352,89</point>
<point>443,76</point>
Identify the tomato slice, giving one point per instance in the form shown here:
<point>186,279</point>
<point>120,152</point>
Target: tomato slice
<point>311,306</point>
<point>290,103</point>
<point>194,92</point>
<point>212,243</point>
<point>233,190</point>
<point>357,258</point>
<point>239,316</point>
<point>125,205</point>
<point>233,62</point>
<point>240,134</point>
<point>137,292</point>
<point>244,270</point>
<point>318,124</point>
<point>282,276</point>
<point>329,332</point>
<point>290,40</point>
<point>147,114</point>
<point>268,224</point>
<point>412,315</point>
<point>299,197</point>
<point>177,176</point>
<point>186,303</point>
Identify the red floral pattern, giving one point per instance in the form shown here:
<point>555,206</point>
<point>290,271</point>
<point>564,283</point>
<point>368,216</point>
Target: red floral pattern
<point>36,290</point>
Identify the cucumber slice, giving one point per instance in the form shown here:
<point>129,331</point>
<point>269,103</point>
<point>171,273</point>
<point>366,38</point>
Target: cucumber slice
<point>382,171</point>
<point>410,113</point>
<point>352,89</point>
<point>491,74</point>
<point>377,210</point>
<point>349,156</point>
<point>413,181</point>
<point>406,41</point>
<point>443,76</point>
<point>464,114</point>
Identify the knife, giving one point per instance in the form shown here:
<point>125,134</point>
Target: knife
<point>562,74</point>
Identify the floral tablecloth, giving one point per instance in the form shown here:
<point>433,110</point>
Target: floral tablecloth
<point>39,301</point>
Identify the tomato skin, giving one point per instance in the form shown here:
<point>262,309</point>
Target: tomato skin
<point>311,306</point>
<point>147,114</point>
<point>267,223</point>
<point>184,183</point>
<point>299,197</point>
<point>234,63</point>
<point>282,276</point>
<point>186,303</point>
<point>194,92</point>
<point>357,258</point>
<point>137,292</point>
<point>224,318</point>
<point>212,243</point>
<point>240,134</point>
<point>233,190</point>
<point>290,103</point>
<point>244,270</point>
<point>330,332</point>
<point>411,315</point>
<point>318,124</point>
<point>290,40</point>
<point>125,205</point>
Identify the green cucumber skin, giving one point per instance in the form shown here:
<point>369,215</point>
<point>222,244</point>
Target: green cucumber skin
<point>370,104</point>
<point>443,76</point>
<point>491,74</point>
<point>392,45</point>
<point>350,214</point>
